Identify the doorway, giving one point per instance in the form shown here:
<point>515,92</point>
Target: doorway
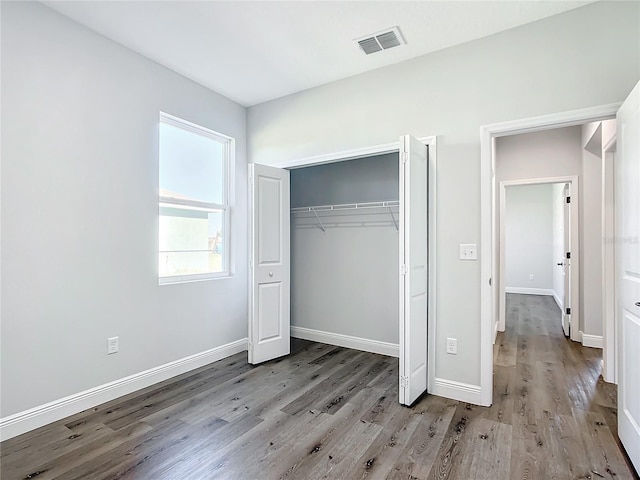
<point>488,254</point>
<point>538,246</point>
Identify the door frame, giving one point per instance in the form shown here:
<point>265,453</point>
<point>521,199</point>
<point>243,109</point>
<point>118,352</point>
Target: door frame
<point>610,339</point>
<point>488,134</point>
<point>575,247</point>
<point>394,147</point>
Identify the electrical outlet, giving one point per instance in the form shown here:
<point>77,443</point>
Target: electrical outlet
<point>468,251</point>
<point>113,345</point>
<point>531,277</point>
<point>452,346</point>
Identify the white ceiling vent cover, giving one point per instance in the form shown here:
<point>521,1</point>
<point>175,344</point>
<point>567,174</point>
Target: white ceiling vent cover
<point>383,40</point>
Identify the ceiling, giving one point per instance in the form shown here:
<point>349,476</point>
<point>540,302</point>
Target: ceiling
<point>255,51</point>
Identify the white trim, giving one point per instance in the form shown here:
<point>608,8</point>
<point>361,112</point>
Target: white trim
<point>559,302</point>
<point>487,208</point>
<point>593,341</point>
<point>610,360</point>
<point>193,127</point>
<point>530,291</point>
<point>36,417</point>
<point>343,155</point>
<point>347,341</point>
<point>463,392</point>
<point>380,149</point>
<point>432,143</point>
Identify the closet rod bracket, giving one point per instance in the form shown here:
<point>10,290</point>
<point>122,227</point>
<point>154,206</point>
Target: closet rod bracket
<point>393,218</point>
<point>318,219</point>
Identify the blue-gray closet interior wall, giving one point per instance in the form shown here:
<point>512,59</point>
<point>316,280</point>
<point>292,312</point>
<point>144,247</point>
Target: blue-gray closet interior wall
<point>344,280</point>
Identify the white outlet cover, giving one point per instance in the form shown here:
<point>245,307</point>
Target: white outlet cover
<point>113,345</point>
<point>452,345</point>
<point>468,251</point>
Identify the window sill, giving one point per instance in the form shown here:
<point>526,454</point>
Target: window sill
<point>193,278</point>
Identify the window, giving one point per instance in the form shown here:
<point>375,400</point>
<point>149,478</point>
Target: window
<point>193,202</point>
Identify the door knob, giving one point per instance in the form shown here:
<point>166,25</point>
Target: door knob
<point>271,274</point>
<point>637,304</point>
<point>561,263</point>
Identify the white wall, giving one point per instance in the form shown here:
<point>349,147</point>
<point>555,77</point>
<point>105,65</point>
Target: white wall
<point>529,238</point>
<point>543,67</point>
<point>80,213</point>
<point>345,280</point>
<point>545,154</point>
<point>557,205</point>
<point>591,239</point>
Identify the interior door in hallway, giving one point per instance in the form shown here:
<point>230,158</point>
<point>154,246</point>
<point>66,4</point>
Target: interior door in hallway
<point>628,271</point>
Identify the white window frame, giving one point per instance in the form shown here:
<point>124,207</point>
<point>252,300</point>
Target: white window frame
<point>228,164</point>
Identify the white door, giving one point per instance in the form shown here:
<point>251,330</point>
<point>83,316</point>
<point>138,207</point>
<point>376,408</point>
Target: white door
<point>566,261</point>
<point>628,271</point>
<point>269,263</point>
<point>414,168</point>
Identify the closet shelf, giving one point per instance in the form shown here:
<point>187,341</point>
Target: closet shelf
<point>387,205</point>
<point>346,206</point>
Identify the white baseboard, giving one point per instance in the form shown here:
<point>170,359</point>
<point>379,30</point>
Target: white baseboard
<point>529,291</point>
<point>594,341</point>
<point>559,302</point>
<point>36,417</point>
<point>463,392</point>
<point>496,329</point>
<point>348,341</point>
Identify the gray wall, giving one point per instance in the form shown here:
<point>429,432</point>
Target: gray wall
<point>369,179</point>
<point>345,280</point>
<point>539,68</point>
<point>529,237</point>
<point>79,199</point>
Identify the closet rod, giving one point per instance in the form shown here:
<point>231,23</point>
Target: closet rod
<point>346,206</point>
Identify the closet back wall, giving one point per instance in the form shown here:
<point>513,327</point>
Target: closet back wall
<point>344,281</point>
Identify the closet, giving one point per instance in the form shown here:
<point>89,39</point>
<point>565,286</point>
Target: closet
<point>344,253</point>
<point>339,254</point>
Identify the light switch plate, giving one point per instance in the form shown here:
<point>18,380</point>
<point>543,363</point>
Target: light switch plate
<point>468,251</point>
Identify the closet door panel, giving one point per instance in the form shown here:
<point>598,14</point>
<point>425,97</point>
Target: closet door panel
<point>414,268</point>
<point>269,287</point>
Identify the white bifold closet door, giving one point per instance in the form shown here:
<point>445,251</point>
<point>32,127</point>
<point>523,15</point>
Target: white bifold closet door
<point>413,227</point>
<point>269,263</point>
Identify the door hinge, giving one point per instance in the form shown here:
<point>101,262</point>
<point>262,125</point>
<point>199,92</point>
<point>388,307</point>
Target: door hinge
<point>568,199</point>
<point>568,310</point>
<point>404,382</point>
<point>569,255</point>
<point>250,263</point>
<point>405,157</point>
<point>250,347</point>
<point>489,281</point>
<point>403,269</point>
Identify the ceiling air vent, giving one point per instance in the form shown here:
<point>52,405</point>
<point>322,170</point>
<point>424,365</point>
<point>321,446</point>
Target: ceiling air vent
<point>383,40</point>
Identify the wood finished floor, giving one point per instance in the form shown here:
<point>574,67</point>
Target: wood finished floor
<point>330,412</point>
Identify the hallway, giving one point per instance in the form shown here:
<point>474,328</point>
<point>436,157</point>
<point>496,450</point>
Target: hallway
<point>563,415</point>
